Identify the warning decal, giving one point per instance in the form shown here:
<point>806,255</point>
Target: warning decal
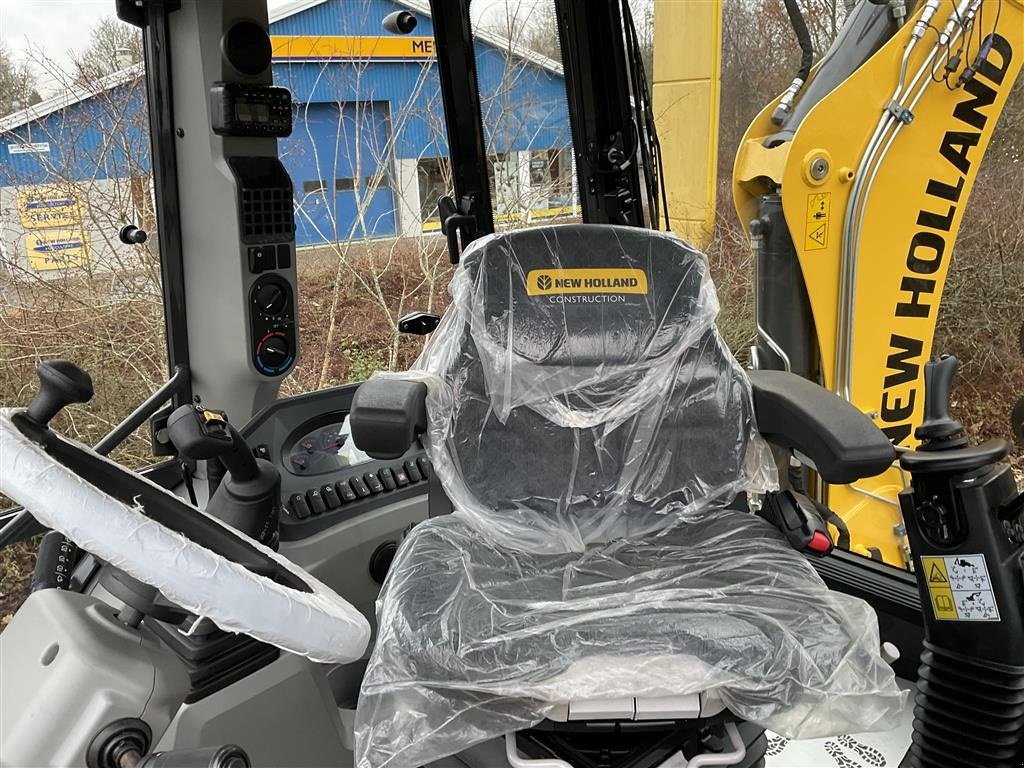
<point>960,588</point>
<point>819,208</point>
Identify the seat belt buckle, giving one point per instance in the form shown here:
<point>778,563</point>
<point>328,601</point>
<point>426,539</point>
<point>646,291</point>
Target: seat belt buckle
<point>797,517</point>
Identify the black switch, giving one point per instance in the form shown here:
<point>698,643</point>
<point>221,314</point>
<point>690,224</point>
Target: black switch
<point>298,505</point>
<point>373,482</point>
<point>387,479</point>
<point>413,471</point>
<point>424,464</point>
<point>316,501</point>
<point>262,258</point>
<point>401,477</point>
<point>284,256</point>
<point>330,496</point>
<point>359,487</point>
<point>345,491</point>
<point>262,451</point>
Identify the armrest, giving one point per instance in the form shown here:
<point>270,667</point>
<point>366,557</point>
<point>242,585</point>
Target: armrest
<point>387,415</point>
<point>843,443</point>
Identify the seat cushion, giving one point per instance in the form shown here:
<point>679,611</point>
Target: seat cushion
<point>477,639</point>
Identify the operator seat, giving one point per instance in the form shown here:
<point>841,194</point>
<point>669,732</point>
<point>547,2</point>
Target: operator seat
<point>591,428</point>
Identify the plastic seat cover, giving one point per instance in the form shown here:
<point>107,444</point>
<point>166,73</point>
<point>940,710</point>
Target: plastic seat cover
<point>590,428</point>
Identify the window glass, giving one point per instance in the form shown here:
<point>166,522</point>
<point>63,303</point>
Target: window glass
<point>75,167</point>
<point>525,113</point>
<point>367,121</point>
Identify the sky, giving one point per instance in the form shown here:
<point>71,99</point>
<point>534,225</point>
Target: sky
<point>58,27</point>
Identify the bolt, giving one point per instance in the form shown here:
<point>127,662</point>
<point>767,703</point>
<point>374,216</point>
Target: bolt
<point>180,133</point>
<point>819,168</point>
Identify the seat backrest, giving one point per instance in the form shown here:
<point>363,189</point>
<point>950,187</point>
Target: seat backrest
<point>588,394</point>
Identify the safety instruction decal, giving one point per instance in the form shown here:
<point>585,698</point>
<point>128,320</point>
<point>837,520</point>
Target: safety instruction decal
<point>960,588</point>
<point>819,208</point>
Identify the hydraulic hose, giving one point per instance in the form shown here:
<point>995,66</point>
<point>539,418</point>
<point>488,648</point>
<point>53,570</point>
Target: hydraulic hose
<point>803,36</point>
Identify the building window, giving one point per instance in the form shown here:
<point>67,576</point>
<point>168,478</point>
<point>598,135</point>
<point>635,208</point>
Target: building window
<point>373,183</point>
<point>434,176</point>
<point>344,185</point>
<point>313,186</point>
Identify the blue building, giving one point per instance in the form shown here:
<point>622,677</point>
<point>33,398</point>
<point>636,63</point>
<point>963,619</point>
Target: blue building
<point>368,153</point>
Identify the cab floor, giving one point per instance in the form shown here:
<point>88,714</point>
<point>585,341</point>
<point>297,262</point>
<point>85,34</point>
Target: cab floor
<point>885,749</point>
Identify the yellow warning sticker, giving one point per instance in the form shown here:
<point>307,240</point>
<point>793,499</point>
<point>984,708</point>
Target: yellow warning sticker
<point>542,282</point>
<point>819,209</point>
<point>960,588</point>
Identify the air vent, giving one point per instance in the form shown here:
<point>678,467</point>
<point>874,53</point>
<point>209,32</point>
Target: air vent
<point>265,196</point>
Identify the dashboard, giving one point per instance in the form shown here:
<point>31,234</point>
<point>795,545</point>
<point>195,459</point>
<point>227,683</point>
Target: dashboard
<point>325,478</point>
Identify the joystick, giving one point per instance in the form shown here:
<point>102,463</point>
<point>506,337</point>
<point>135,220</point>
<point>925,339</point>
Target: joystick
<point>61,383</point>
<point>939,430</point>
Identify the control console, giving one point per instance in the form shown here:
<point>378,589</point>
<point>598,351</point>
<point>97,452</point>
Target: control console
<point>325,479</point>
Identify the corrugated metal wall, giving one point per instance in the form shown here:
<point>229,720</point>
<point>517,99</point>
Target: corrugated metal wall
<point>105,137</point>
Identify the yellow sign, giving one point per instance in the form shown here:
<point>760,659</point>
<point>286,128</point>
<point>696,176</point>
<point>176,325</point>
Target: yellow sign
<point>57,249</point>
<point>314,47</point>
<point>44,207</point>
<point>819,206</point>
<point>960,588</point>
<point>544,282</point>
<point>939,589</point>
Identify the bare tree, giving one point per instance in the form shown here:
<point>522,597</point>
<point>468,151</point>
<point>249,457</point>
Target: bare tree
<point>17,83</point>
<point>113,46</point>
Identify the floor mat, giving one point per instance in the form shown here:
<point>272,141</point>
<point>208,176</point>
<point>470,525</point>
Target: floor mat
<point>862,750</point>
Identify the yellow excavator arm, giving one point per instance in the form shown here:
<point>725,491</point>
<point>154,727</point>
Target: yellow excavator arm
<point>874,171</point>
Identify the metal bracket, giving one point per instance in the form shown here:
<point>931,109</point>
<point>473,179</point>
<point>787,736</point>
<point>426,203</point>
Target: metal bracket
<point>900,112</point>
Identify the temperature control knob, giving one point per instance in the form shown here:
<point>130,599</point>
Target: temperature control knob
<point>273,353</point>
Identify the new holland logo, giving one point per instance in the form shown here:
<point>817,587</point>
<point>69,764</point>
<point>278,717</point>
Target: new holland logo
<point>555,282</point>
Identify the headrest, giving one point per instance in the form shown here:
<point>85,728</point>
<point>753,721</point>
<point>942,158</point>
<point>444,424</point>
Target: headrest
<point>587,294</point>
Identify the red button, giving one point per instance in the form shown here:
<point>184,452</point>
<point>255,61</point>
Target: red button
<point>820,543</point>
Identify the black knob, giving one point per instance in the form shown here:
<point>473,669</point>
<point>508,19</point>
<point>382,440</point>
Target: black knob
<point>61,383</point>
<point>132,235</point>
<point>939,430</point>
<point>271,298</point>
<point>273,353</point>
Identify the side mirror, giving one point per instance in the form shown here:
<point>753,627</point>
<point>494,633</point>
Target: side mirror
<point>399,23</point>
<point>418,323</point>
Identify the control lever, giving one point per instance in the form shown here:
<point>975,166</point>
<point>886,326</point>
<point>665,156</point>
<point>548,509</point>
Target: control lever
<point>939,430</point>
<point>61,383</point>
<point>963,518</point>
<point>203,433</point>
<point>249,497</point>
<point>55,560</point>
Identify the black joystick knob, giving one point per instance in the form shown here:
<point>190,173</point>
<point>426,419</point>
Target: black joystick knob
<point>939,430</point>
<point>61,383</point>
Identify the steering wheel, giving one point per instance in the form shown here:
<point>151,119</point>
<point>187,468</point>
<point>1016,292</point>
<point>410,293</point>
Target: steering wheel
<point>196,561</point>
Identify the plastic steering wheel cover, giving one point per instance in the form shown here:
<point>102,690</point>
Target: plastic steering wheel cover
<point>318,624</point>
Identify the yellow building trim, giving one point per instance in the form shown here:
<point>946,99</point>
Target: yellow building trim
<point>318,47</point>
